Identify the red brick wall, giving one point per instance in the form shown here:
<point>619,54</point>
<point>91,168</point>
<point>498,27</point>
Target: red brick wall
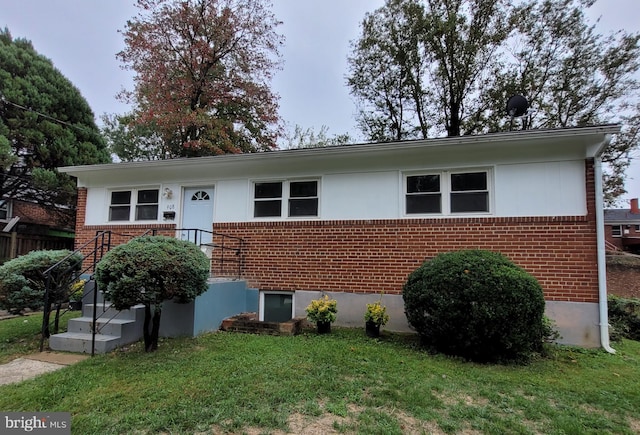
<point>620,242</point>
<point>36,214</point>
<point>377,255</point>
<point>371,256</point>
<point>608,236</point>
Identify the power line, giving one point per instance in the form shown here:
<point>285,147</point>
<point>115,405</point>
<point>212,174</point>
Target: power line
<point>59,121</point>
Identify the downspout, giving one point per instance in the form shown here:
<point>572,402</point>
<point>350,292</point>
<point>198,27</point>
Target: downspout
<point>602,258</point>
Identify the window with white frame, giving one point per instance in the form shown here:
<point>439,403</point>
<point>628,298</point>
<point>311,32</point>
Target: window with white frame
<point>291,198</point>
<point>423,194</point>
<point>134,205</point>
<point>276,306</point>
<point>5,210</point>
<point>469,192</point>
<point>637,228</point>
<point>447,192</point>
<point>616,230</point>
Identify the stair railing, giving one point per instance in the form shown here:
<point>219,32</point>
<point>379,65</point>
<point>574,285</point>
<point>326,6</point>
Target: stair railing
<point>220,245</point>
<point>92,252</point>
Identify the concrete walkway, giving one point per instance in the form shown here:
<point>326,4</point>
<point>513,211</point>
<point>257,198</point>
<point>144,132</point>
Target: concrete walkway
<point>31,366</point>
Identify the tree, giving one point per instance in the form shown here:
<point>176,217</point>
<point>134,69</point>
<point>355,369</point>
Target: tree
<point>463,59</point>
<point>308,138</point>
<point>23,283</point>
<point>203,69</point>
<point>421,68</point>
<point>573,76</point>
<point>387,70</point>
<point>44,123</point>
<point>132,141</point>
<point>150,270</point>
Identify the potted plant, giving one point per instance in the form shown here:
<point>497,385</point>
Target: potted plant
<point>322,312</point>
<point>76,291</point>
<point>374,317</point>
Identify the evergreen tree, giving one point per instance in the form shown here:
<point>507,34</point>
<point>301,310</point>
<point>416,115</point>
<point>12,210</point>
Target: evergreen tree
<point>45,123</point>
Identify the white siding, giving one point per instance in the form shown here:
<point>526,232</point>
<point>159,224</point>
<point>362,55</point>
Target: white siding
<point>360,196</point>
<point>97,206</point>
<point>526,189</point>
<point>232,201</point>
<point>541,189</point>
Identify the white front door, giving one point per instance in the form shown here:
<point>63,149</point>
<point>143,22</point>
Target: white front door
<point>197,214</point>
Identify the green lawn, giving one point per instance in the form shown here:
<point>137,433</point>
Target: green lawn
<point>21,335</point>
<point>342,382</point>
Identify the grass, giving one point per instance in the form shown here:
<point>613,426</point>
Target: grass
<point>21,335</point>
<point>343,382</point>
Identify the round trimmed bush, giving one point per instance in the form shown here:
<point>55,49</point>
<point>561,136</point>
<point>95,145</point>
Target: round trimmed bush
<point>22,284</point>
<point>476,304</point>
<point>149,270</point>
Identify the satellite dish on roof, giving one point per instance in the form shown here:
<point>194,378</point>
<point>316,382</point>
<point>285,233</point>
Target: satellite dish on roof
<point>517,106</point>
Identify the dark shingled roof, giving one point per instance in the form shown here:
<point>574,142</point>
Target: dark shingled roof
<point>620,216</point>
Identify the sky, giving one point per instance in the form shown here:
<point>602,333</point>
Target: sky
<point>81,38</point>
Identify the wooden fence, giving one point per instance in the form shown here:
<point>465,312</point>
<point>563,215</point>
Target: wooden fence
<point>13,245</point>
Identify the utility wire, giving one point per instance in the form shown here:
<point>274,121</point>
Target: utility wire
<point>29,109</point>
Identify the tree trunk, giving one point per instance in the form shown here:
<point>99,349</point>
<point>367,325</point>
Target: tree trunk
<point>56,323</point>
<point>46,317</point>
<point>151,327</point>
<point>145,327</point>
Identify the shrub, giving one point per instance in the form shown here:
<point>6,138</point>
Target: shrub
<point>624,317</point>
<point>322,310</point>
<point>149,270</point>
<point>22,283</point>
<point>477,305</point>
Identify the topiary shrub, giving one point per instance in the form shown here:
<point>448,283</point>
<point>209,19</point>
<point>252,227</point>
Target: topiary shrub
<point>22,283</point>
<point>476,304</point>
<point>150,270</point>
<point>624,317</point>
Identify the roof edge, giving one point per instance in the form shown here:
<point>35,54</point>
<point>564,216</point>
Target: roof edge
<point>604,129</point>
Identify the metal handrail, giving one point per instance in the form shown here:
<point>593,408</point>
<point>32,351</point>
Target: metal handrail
<point>102,244</point>
<point>237,248</point>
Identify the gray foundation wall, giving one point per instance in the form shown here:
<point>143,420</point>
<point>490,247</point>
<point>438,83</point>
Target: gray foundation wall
<point>224,298</point>
<point>577,322</point>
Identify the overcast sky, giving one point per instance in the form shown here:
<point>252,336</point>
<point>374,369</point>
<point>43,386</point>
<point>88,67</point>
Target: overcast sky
<point>81,38</point>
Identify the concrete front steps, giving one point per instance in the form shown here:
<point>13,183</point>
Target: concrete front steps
<point>114,328</point>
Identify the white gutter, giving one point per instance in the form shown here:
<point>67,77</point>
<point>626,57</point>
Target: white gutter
<point>602,258</point>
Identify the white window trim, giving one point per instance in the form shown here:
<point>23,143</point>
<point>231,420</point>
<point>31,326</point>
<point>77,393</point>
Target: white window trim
<point>616,235</point>
<point>132,204</point>
<point>276,292</point>
<point>445,192</point>
<point>284,205</point>
<point>9,206</point>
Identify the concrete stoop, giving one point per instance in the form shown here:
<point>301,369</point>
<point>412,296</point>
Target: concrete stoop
<point>114,328</point>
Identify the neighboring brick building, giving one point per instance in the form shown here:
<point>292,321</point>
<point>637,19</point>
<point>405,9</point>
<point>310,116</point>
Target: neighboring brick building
<point>29,226</point>
<point>355,220</point>
<point>622,228</point>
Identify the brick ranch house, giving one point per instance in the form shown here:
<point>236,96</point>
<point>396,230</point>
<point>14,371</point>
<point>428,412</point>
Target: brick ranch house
<point>622,228</point>
<point>353,221</point>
